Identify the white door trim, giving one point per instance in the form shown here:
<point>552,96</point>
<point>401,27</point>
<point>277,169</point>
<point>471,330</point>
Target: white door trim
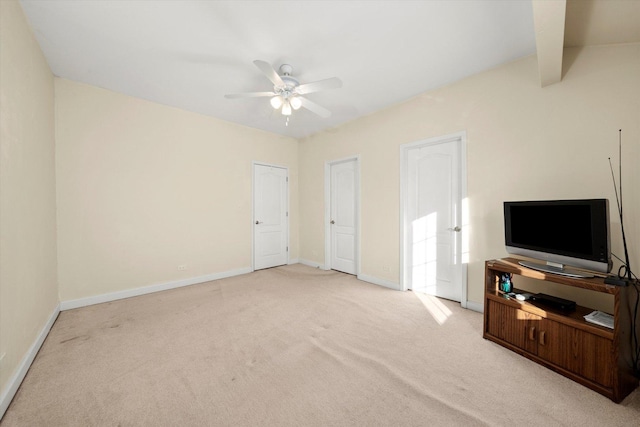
<point>253,210</point>
<point>404,222</point>
<point>327,210</point>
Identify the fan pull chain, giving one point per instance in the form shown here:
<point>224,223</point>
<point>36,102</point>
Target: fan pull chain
<point>287,122</point>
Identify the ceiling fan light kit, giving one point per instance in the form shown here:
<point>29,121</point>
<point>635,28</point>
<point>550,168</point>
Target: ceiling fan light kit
<point>276,102</point>
<point>287,90</point>
<point>295,103</point>
<point>286,109</point>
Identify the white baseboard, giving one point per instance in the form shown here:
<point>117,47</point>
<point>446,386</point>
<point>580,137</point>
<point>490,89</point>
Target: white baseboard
<point>475,306</point>
<point>311,263</point>
<point>113,296</point>
<point>25,364</point>
<point>380,282</point>
<point>294,261</point>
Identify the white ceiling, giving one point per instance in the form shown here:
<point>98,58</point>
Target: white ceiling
<point>189,54</point>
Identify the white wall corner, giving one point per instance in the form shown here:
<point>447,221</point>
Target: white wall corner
<point>311,263</point>
<point>475,306</point>
<point>14,382</point>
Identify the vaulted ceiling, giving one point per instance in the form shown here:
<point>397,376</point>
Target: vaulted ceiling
<point>189,54</point>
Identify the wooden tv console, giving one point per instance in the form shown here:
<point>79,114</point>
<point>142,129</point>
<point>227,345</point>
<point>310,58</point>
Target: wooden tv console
<point>594,356</point>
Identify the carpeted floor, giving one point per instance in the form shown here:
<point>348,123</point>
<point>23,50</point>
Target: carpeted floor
<point>292,346</point>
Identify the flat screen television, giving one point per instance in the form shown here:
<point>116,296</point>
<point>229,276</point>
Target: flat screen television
<point>561,233</point>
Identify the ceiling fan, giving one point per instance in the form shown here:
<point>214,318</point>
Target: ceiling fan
<point>287,91</point>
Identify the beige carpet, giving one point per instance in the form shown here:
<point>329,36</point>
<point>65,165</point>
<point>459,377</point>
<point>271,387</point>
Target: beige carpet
<point>292,346</point>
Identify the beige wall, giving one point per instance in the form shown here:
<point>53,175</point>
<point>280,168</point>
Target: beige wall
<point>524,142</point>
<point>28,288</point>
<point>144,188</point>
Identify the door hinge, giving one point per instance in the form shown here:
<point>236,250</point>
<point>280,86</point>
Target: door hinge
<point>287,248</point>
<point>287,179</point>
<point>287,213</point>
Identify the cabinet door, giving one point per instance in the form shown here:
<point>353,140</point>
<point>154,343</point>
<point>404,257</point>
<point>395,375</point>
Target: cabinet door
<point>514,326</point>
<point>580,352</point>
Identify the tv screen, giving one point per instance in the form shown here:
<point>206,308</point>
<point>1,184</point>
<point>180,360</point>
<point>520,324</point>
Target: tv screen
<point>571,232</point>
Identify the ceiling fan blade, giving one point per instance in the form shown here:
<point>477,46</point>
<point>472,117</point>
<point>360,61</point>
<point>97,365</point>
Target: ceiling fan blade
<point>332,83</point>
<point>268,71</point>
<point>249,95</point>
<point>314,108</point>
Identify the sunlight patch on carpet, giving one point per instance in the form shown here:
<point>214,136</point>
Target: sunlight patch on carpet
<point>435,307</point>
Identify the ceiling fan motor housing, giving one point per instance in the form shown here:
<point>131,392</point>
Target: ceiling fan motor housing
<point>286,69</point>
<point>290,83</point>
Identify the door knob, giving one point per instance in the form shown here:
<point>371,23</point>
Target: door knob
<point>456,229</point>
<point>333,222</point>
<point>258,222</point>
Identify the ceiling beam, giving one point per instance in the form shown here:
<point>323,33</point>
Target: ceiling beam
<point>548,21</point>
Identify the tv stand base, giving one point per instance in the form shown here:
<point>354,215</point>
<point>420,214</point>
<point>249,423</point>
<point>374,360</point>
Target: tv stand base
<point>557,269</point>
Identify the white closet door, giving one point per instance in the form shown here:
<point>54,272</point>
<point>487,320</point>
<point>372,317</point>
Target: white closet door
<point>343,217</point>
<point>434,214</point>
<point>270,222</point>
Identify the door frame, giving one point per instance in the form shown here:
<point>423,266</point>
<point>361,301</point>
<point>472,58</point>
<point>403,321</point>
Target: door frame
<point>327,210</point>
<point>253,210</point>
<point>461,138</point>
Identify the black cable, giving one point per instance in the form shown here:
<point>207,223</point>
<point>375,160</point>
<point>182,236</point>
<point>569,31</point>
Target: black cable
<point>634,326</point>
<point>623,266</point>
<point>635,356</point>
<point>636,368</point>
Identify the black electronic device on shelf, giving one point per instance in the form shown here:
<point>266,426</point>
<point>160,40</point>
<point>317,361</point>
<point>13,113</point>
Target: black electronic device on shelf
<point>553,302</point>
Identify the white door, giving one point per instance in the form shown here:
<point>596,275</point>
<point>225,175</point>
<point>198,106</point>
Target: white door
<point>343,221</point>
<point>433,219</point>
<point>270,216</point>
